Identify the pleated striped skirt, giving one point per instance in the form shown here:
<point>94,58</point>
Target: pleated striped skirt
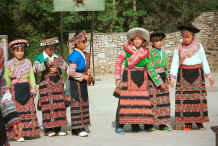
<point>191,101</point>
<point>27,114</point>
<point>135,103</point>
<point>52,101</point>
<point>80,117</point>
<point>161,103</point>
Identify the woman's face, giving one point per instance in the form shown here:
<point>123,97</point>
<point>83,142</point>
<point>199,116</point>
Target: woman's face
<point>137,42</point>
<point>187,37</point>
<point>81,45</point>
<point>49,50</point>
<point>157,44</point>
<point>19,52</point>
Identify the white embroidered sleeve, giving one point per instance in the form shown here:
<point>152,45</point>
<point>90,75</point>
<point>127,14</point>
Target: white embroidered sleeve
<point>38,67</point>
<point>205,64</point>
<point>64,66</point>
<point>72,72</point>
<point>175,65</point>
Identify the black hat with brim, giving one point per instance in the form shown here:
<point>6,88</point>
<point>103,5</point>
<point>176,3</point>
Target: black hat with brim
<point>157,34</point>
<point>188,27</point>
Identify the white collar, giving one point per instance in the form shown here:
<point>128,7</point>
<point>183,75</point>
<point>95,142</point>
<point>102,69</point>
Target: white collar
<point>50,58</point>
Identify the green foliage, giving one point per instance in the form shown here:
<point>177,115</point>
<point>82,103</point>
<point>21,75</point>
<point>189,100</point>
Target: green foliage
<point>35,19</point>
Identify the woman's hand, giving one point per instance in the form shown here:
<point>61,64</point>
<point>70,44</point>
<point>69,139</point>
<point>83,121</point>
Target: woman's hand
<point>68,99</point>
<point>117,90</point>
<point>49,63</point>
<point>90,80</point>
<point>164,87</point>
<point>212,81</point>
<point>118,82</point>
<point>172,81</point>
<point>53,70</point>
<point>86,77</point>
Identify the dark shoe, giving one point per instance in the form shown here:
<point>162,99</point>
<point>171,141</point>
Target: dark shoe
<point>149,127</point>
<point>50,132</point>
<point>135,128</point>
<point>75,131</point>
<point>188,126</point>
<point>200,126</point>
<point>165,128</point>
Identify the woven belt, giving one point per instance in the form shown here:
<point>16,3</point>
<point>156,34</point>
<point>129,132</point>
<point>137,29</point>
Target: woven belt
<point>190,66</point>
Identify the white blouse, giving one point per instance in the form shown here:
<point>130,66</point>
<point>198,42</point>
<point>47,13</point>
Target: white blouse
<point>198,58</point>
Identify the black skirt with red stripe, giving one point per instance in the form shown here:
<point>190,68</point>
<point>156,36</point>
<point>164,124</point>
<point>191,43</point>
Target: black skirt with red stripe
<point>80,118</point>
<point>27,114</point>
<point>191,101</point>
<point>52,101</point>
<point>160,102</point>
<point>135,103</point>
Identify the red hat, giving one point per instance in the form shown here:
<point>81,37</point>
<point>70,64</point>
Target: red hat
<point>49,42</point>
<point>78,38</point>
<point>18,43</point>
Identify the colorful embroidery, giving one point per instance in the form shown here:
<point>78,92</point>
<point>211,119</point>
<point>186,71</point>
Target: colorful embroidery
<point>160,99</point>
<point>191,102</point>
<point>20,71</point>
<point>19,68</point>
<point>189,51</point>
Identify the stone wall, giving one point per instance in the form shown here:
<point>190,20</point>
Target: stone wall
<point>208,23</point>
<point>107,45</point>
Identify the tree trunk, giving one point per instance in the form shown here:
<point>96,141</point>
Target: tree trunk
<point>114,4</point>
<point>134,5</point>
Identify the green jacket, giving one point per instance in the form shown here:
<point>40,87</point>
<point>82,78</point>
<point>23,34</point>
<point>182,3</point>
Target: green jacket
<point>147,61</point>
<point>41,57</point>
<point>159,62</point>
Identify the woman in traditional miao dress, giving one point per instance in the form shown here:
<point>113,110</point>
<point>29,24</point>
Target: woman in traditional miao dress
<point>161,99</point>
<point>20,80</point>
<point>135,103</point>
<point>51,88</point>
<point>79,77</point>
<point>189,68</point>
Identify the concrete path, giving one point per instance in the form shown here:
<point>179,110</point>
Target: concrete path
<point>103,106</point>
